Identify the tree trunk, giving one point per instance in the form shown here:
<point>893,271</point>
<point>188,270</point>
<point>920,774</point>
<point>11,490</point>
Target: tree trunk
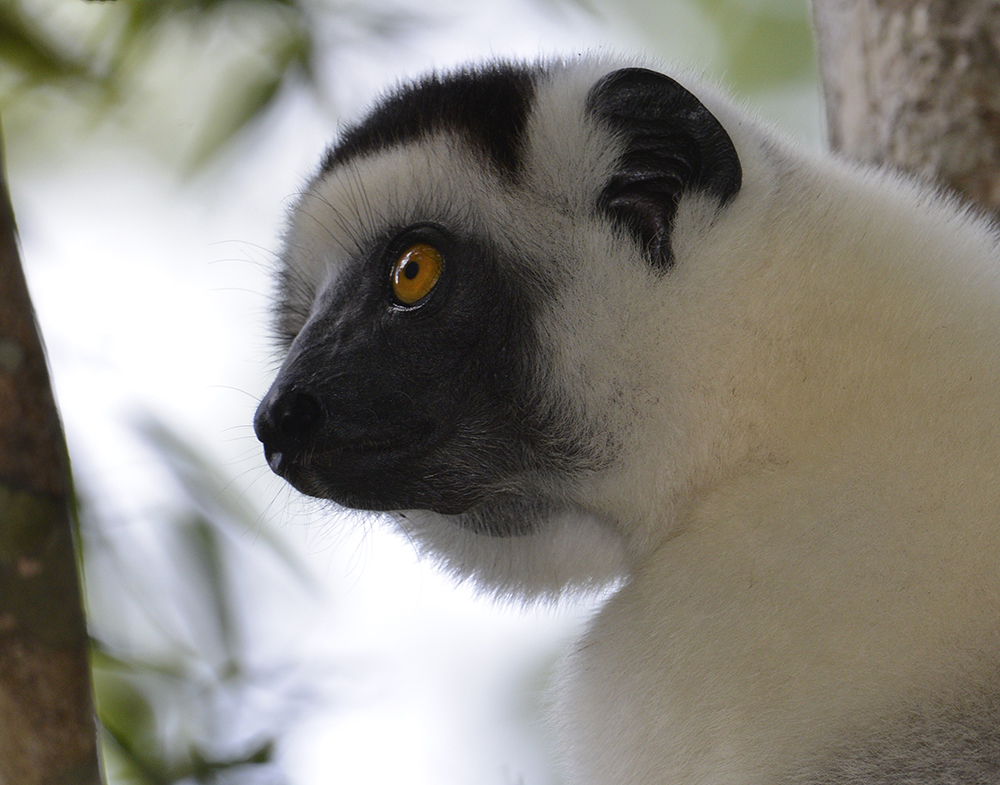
<point>47,729</point>
<point>916,84</point>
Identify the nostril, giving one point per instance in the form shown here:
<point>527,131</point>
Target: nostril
<point>297,416</point>
<point>286,422</point>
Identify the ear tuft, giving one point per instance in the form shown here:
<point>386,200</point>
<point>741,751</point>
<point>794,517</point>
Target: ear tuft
<point>673,145</point>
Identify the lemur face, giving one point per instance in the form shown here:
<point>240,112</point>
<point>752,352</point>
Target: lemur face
<point>411,384</point>
<point>417,269</point>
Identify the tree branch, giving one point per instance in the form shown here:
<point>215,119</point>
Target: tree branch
<point>47,730</point>
<point>916,84</point>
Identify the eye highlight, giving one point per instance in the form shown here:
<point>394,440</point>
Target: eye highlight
<point>416,272</point>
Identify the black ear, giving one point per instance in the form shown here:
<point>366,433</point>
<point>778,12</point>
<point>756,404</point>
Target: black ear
<point>673,145</point>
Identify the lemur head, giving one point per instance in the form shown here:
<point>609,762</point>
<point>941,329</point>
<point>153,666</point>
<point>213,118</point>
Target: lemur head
<point>455,296</point>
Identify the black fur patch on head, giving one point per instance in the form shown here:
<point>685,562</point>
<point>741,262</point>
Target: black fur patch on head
<point>488,107</point>
<point>673,145</point>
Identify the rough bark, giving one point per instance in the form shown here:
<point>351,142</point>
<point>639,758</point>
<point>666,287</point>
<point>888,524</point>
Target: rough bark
<point>47,729</point>
<point>916,84</point>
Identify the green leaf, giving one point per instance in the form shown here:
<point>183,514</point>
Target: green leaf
<point>24,48</point>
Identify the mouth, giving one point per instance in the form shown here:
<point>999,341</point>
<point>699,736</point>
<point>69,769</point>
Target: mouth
<point>371,472</point>
<point>338,448</point>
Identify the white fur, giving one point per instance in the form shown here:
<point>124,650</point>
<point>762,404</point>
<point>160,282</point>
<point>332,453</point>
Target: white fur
<point>806,518</point>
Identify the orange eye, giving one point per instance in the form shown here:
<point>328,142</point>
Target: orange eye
<point>416,271</point>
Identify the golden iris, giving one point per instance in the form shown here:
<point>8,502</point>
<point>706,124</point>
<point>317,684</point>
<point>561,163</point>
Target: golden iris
<point>416,272</point>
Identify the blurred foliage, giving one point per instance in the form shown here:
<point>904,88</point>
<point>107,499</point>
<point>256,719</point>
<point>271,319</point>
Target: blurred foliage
<point>106,56</point>
<point>755,45</point>
<point>195,707</point>
<point>36,59</point>
<point>186,75</point>
<point>131,696</point>
<point>764,44</point>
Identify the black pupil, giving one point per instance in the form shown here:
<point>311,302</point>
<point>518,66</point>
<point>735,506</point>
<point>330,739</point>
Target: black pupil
<point>411,270</point>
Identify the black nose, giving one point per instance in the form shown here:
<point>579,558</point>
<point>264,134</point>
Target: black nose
<point>285,424</point>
